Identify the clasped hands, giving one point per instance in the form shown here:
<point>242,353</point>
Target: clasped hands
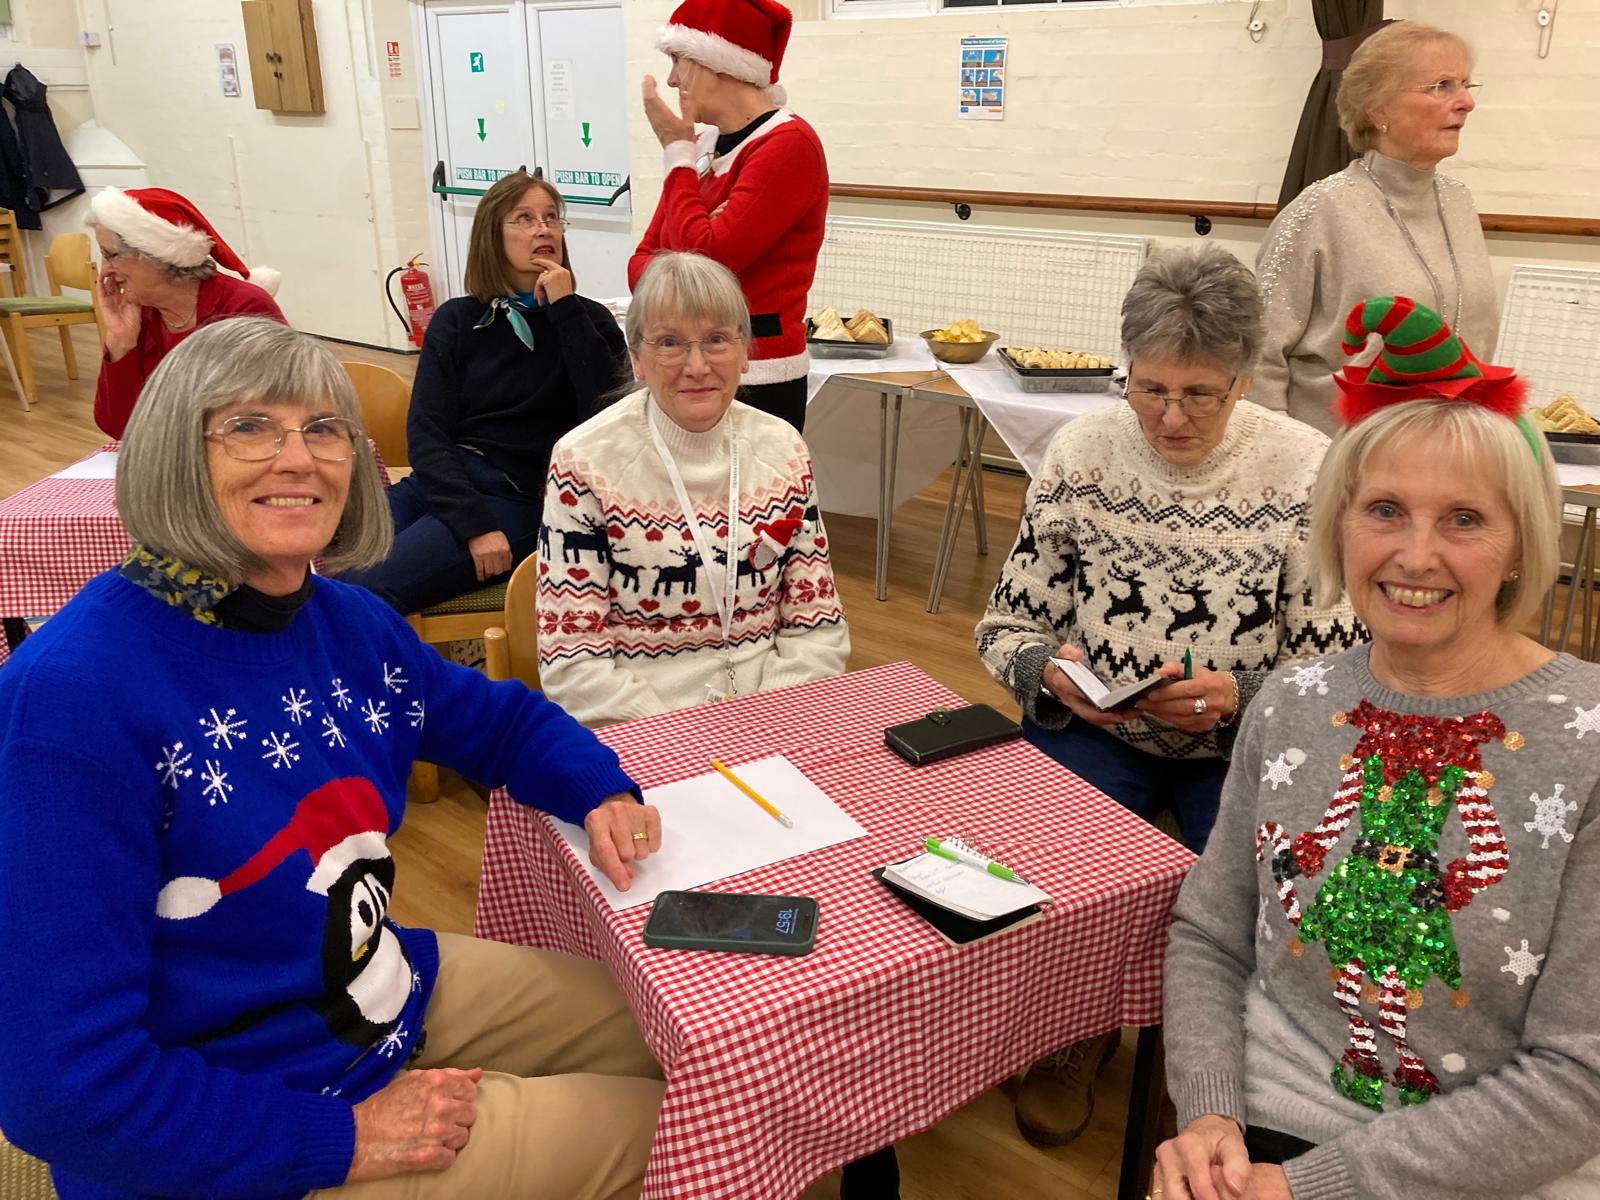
<point>1208,1161</point>
<point>1170,703</point>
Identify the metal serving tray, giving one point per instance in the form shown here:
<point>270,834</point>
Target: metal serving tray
<point>1057,379</point>
<point>833,349</point>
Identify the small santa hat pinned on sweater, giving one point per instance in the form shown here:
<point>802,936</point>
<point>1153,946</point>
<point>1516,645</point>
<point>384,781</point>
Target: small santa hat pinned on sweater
<point>1418,358</point>
<point>165,226</point>
<point>743,39</point>
<point>772,540</point>
<point>344,821</point>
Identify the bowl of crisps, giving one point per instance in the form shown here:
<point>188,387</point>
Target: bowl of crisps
<point>961,342</point>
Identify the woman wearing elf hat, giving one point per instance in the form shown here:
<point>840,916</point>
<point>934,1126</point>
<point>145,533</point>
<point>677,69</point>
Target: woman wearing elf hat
<point>158,284</point>
<point>1389,222</point>
<point>1381,973</point>
<point>205,755</point>
<point>751,191</point>
<point>650,597</point>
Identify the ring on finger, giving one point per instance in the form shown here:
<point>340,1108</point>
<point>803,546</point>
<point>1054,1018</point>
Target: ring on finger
<point>640,837</point>
<point>1199,708</point>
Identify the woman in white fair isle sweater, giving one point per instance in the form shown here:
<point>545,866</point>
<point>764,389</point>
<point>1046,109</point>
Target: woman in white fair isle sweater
<point>650,598</point>
<point>1388,224</point>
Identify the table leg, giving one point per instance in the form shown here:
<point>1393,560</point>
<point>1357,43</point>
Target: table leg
<point>874,1177</point>
<point>1145,1093</point>
<point>888,459</point>
<point>980,509</point>
<point>952,528</point>
<point>951,525</point>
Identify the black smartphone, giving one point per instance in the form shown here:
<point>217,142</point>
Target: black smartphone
<point>945,733</point>
<point>734,921</point>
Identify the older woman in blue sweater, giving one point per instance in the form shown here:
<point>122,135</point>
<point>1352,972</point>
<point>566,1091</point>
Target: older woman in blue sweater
<point>203,757</point>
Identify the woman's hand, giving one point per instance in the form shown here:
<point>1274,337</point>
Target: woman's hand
<point>621,832</point>
<point>554,282</point>
<point>491,554</point>
<point>418,1122</point>
<point>1173,703</point>
<point>669,126</point>
<point>1064,690</point>
<point>121,316</point>
<point>1207,1161</point>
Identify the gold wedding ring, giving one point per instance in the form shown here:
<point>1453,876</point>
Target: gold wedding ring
<point>641,837</point>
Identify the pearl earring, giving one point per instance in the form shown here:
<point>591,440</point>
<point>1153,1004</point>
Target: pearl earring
<point>1514,576</point>
<point>1383,129</point>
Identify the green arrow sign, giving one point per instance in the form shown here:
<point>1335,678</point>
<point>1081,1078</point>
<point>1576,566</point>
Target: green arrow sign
<point>481,133</point>
<point>586,139</point>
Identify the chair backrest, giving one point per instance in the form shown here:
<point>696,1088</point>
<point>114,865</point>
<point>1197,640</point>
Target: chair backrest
<point>385,399</point>
<point>13,252</point>
<point>69,264</point>
<point>512,649</point>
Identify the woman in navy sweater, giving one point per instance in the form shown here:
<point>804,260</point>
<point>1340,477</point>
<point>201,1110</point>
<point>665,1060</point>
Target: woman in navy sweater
<point>505,371</point>
<point>202,758</point>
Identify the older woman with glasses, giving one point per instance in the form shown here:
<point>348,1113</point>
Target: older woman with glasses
<point>1165,537</point>
<point>504,372</point>
<point>683,558</point>
<point>1388,223</point>
<point>205,754</point>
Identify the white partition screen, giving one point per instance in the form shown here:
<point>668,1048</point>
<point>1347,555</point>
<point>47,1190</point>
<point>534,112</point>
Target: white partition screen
<point>1030,286</point>
<point>1551,333</point>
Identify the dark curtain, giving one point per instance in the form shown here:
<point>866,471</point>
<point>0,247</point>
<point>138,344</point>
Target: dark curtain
<point>1320,147</point>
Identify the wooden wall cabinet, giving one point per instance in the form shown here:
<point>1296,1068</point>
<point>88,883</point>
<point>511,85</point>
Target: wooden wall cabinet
<point>281,41</point>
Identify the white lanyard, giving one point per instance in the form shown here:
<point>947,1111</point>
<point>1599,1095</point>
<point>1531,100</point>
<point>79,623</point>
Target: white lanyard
<point>726,598</point>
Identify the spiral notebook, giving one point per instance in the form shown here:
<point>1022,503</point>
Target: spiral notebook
<point>961,899</point>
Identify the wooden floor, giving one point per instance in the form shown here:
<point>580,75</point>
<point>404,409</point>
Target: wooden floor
<point>974,1153</point>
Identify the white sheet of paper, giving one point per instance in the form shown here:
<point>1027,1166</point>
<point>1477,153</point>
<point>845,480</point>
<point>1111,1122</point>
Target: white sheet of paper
<point>96,466</point>
<point>711,830</point>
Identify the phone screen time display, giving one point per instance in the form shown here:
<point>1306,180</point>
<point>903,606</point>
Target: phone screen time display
<point>727,917</point>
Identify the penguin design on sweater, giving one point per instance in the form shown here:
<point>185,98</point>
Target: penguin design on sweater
<point>342,826</point>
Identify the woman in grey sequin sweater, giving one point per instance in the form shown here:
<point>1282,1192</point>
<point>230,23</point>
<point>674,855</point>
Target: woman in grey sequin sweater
<point>1388,224</point>
<point>1381,973</point>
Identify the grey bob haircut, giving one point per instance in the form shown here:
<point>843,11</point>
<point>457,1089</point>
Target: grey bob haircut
<point>164,493</point>
<point>682,284</point>
<point>1194,305</point>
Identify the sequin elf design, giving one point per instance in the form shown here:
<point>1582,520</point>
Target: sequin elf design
<point>1384,913</point>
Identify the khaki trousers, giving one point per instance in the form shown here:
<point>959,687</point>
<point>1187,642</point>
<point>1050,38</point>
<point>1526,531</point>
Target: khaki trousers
<point>570,1094</point>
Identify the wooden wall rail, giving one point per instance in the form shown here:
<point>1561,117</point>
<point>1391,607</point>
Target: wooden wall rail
<point>1229,210</point>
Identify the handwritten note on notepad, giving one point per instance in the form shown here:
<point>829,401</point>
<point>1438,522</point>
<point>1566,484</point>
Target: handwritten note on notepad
<point>963,888</point>
<point>711,830</point>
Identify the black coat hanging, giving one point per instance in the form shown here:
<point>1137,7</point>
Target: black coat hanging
<point>14,175</point>
<point>51,176</point>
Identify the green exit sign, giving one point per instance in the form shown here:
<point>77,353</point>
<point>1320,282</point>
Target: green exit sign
<point>475,57</point>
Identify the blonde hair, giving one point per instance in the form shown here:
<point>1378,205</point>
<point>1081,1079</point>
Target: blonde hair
<point>1377,73</point>
<point>1497,451</point>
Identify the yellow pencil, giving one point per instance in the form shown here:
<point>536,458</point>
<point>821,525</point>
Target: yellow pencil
<point>752,793</point>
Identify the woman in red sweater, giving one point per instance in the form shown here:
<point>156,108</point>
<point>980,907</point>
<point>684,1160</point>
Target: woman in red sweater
<point>158,284</point>
<point>751,192</point>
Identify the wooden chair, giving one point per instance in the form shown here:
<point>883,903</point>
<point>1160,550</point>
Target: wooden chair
<point>68,263</point>
<point>512,648</point>
<point>385,399</point>
<point>13,254</point>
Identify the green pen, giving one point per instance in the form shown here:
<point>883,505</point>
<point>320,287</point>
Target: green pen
<point>1188,665</point>
<point>934,846</point>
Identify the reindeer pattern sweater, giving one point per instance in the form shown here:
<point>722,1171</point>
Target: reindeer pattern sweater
<point>1136,561</point>
<point>627,613</point>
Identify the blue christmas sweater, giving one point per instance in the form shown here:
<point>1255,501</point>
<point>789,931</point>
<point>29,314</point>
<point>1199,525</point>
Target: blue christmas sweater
<point>198,978</point>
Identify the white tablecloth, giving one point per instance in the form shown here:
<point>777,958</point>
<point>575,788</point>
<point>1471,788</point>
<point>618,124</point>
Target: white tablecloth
<point>1025,421</point>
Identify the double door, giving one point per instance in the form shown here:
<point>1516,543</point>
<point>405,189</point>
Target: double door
<point>542,86</point>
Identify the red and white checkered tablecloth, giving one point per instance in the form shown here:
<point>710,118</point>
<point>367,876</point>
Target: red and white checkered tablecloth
<point>782,1069</point>
<point>56,535</point>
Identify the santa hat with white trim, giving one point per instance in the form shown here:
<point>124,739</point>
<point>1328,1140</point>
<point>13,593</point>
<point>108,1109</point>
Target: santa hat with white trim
<point>743,39</point>
<point>165,226</point>
<point>342,822</point>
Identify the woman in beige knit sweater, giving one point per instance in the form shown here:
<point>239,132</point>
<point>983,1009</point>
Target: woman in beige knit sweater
<point>1388,224</point>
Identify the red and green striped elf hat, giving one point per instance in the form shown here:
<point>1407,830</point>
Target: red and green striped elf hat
<point>1420,360</point>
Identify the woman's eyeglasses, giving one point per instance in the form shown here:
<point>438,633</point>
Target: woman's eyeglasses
<point>670,349</point>
<point>527,222</point>
<point>256,439</point>
<point>1447,89</point>
<point>1193,404</point>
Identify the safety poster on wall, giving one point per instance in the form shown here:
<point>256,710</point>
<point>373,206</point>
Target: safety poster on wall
<point>983,79</point>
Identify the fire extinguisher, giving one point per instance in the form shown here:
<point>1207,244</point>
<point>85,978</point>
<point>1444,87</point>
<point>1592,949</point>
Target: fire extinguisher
<point>418,293</point>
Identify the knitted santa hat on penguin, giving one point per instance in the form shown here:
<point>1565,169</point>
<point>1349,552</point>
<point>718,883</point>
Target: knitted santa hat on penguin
<point>743,39</point>
<point>1419,359</point>
<point>163,225</point>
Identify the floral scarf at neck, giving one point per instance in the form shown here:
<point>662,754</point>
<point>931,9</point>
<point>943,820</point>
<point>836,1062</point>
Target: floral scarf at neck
<point>175,582</point>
